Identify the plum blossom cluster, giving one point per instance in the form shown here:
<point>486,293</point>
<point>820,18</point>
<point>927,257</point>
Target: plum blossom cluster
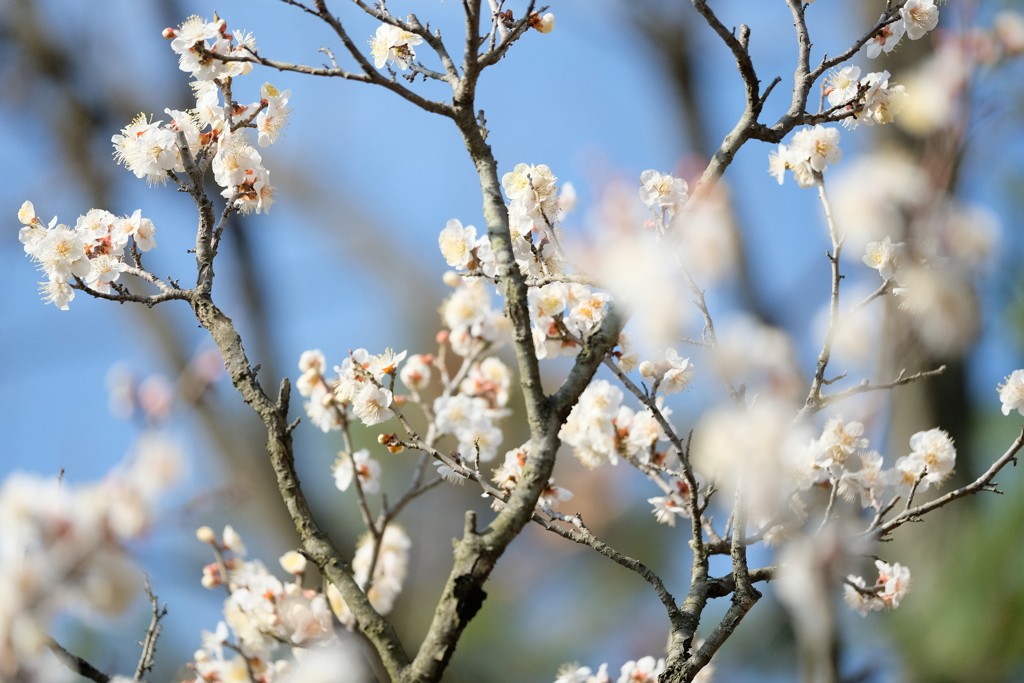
<point>870,99</point>
<point>601,430</point>
<point>563,314</point>
<point>917,17</point>
<point>533,214</point>
<point>62,546</point>
<point>665,196</point>
<point>90,254</point>
<point>471,413</point>
<point>643,670</point>
<point>388,573</point>
<point>261,613</point>
<point>357,386</point>
<point>831,461</point>
<point>808,156</point>
<point>215,128</point>
<point>507,476</point>
<point>892,584</point>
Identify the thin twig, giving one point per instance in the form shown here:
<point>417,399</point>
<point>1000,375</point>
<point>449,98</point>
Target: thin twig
<point>152,633</point>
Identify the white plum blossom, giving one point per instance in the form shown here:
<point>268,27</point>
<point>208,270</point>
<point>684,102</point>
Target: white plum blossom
<point>885,257</point>
<point>934,450</point>
<point>644,670</point>
<point>273,119</point>
<point>919,17</point>
<point>372,405</point>
<point>666,509</point>
<point>843,85</point>
<point>869,481</point>
<point>392,44</point>
<point>678,375</point>
<point>415,374</point>
<point>885,40</point>
<point>534,188</point>
<point>359,463</point>
<point>663,192</point>
<point>457,244</point>
<point>881,102</point>
<point>1011,392</point>
<point>818,145</point>
<point>906,474</point>
<point>838,441</point>
<point>590,427</point>
<point>385,364</point>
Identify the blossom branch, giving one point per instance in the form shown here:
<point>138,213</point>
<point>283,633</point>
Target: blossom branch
<point>982,483</point>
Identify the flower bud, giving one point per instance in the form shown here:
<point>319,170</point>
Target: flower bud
<point>443,336</point>
<point>396,448</point>
<point>206,535</point>
<point>451,278</point>
<point>169,33</point>
<point>647,368</point>
<point>293,562</point>
<point>233,542</point>
<point>545,24</point>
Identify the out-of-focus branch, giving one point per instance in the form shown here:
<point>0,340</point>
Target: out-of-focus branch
<point>76,664</point>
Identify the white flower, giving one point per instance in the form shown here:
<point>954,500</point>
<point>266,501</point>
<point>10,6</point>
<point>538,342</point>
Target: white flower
<point>666,510</point>
<point>884,256</point>
<point>678,375</point>
<point>415,373</point>
<point>61,254</point>
<point>391,43</point>
<point>57,293</point>
<point>321,408</point>
<point>479,435</point>
<point>233,542</point>
<point>920,17</point>
<point>646,670</point>
<point>385,364</point>
<point>905,474</point>
<point>663,191</point>
<point>457,243</point>
<point>886,39</point>
<point>533,187</point>
<point>312,360</point>
<point>860,600</point>
<point>869,481</point>
<point>293,562</point>
<point>549,300</point>
<point>838,441</point>
<point>881,101</point>
<point>273,119</point>
<point>544,24</point>
<point>790,158</point>
<point>372,405</point>
<point>1011,392</point>
<point>895,580</point>
<point>192,31</point>
<point>818,145</point>
<point>843,84</point>
<point>935,450</point>
<point>359,463</point>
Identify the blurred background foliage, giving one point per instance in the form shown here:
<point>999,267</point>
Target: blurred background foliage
<point>348,259</point>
